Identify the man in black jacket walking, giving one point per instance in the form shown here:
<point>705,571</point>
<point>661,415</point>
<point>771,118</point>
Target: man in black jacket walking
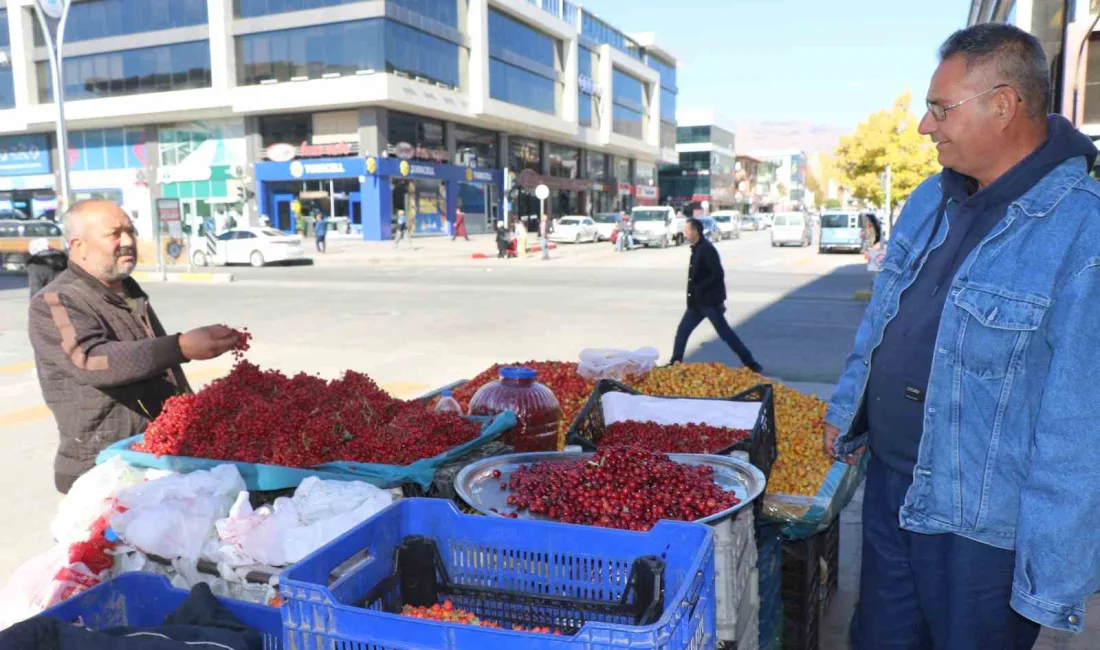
<point>706,298</point>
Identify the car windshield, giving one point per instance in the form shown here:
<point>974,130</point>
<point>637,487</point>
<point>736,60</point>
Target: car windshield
<point>271,232</point>
<point>607,218</point>
<point>41,230</point>
<point>834,221</point>
<point>14,214</point>
<point>722,218</point>
<point>569,222</point>
<point>648,215</point>
<point>788,220</point>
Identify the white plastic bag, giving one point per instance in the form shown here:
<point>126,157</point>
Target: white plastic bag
<point>42,582</point>
<point>292,528</point>
<point>174,516</point>
<point>601,363</point>
<point>92,495</point>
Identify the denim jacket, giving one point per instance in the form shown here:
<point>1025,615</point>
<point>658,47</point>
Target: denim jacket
<point>1010,453</point>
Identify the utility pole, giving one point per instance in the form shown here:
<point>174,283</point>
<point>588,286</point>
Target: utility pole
<point>889,208</point>
<point>52,15</point>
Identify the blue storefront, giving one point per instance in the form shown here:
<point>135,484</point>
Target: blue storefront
<point>374,189</point>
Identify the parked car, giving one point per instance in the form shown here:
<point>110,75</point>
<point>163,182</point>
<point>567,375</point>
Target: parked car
<point>791,228</point>
<point>255,246</point>
<point>16,235</point>
<point>751,222</point>
<point>729,222</point>
<point>657,226</point>
<point>575,229</point>
<point>606,224</point>
<point>841,230</point>
<point>711,230</point>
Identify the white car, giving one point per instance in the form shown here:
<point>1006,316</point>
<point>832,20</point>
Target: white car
<point>255,246</point>
<point>606,224</point>
<point>575,229</point>
<point>729,223</point>
<point>791,228</point>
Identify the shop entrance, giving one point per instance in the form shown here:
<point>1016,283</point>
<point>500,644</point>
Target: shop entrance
<point>478,203</point>
<point>282,215</point>
<point>424,202</point>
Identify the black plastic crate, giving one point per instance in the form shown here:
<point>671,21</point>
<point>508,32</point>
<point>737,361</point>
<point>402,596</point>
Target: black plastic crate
<point>588,427</point>
<point>420,579</point>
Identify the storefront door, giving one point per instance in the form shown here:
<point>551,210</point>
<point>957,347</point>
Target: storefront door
<point>282,216</point>
<point>355,212</point>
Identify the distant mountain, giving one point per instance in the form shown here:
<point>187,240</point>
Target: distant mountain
<point>770,136</point>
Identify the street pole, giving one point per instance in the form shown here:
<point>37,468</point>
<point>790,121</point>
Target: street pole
<point>889,208</point>
<point>57,10</point>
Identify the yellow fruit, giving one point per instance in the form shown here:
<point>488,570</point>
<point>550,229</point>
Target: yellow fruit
<point>802,463</point>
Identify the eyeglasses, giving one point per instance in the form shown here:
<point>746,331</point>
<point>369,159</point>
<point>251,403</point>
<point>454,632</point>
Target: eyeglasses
<point>940,112</point>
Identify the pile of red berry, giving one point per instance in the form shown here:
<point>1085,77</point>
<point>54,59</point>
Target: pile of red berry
<point>263,416</point>
<point>448,613</point>
<point>689,438</point>
<point>619,487</point>
<point>243,342</point>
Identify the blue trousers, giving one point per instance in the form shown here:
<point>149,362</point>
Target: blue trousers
<point>717,317</point>
<point>942,592</point>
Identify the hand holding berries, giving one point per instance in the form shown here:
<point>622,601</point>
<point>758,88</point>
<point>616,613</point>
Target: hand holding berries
<point>208,342</point>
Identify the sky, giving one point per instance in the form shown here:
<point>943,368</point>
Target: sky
<point>830,62</point>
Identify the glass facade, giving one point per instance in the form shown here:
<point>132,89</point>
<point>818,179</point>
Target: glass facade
<point>523,64</point>
<point>101,149</point>
<point>441,11</point>
<point>668,105</point>
<point>476,147</point>
<point>106,18</point>
<point>668,134</point>
<point>595,167</point>
<point>587,60</point>
<point>291,129</point>
<point>251,8</point>
<point>667,72</point>
<point>130,72</point>
<point>564,161</point>
<point>601,32</point>
<point>692,134</point>
<point>621,167</point>
<point>524,154</point>
<point>344,49</point>
<point>7,82</point>
<point>425,136</point>
<point>627,111</point>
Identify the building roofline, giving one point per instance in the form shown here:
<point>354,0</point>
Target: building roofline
<point>704,117</point>
<point>649,41</point>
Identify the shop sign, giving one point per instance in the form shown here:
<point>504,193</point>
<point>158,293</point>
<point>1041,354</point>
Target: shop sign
<point>406,151</point>
<point>23,155</point>
<point>482,177</point>
<point>646,192</point>
<point>422,170</point>
<point>299,169</point>
<point>625,189</point>
<point>306,150</point>
<point>168,210</point>
<point>281,152</point>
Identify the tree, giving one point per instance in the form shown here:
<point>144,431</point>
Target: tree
<point>833,204</point>
<point>887,137</point>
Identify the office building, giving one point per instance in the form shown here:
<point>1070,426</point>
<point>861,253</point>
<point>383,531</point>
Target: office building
<point>704,178</point>
<point>355,108</point>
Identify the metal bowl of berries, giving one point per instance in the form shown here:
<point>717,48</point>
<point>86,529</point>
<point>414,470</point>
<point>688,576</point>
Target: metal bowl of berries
<point>613,487</point>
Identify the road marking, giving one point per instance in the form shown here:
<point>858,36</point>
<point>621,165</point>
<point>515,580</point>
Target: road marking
<point>764,263</point>
<point>16,368</point>
<point>804,262</point>
<point>19,417</point>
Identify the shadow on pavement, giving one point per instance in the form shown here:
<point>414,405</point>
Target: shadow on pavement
<point>803,336</point>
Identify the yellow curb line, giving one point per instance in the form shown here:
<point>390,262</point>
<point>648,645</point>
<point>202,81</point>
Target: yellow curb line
<point>15,368</point>
<point>861,295</point>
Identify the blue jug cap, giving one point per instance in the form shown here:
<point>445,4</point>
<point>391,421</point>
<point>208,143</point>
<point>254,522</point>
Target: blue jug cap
<point>517,373</point>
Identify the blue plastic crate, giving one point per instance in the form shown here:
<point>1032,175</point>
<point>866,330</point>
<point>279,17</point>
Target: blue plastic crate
<point>146,599</point>
<point>519,560</point>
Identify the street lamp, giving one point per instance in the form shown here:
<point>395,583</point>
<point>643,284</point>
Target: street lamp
<point>52,15</point>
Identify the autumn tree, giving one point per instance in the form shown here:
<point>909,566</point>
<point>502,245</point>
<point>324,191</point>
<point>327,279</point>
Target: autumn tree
<point>887,137</point>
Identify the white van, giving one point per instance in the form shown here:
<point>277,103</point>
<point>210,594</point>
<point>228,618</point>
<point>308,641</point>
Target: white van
<point>791,228</point>
<point>657,225</point>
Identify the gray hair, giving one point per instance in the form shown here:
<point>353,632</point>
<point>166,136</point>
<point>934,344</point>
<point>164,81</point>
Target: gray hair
<point>1015,57</point>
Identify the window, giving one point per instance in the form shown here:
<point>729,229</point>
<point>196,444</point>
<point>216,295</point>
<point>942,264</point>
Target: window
<point>289,129</point>
<point>100,149</point>
<point>5,36</point>
<point>7,82</point>
<point>601,32</point>
<point>344,49</point>
<point>692,134</point>
<point>1092,80</point>
<point>423,134</point>
<point>667,72</point>
<point>564,161</point>
<point>622,170</point>
<point>596,166</point>
<point>699,160</point>
<point>627,117</point>
<point>584,110</point>
<point>518,86</point>
<point>441,11</point>
<point>668,106</point>
<point>109,18</point>
<point>523,64</point>
<point>645,173</point>
<point>251,8</point>
<point>524,154</point>
<point>668,135</point>
<point>475,146</point>
<point>130,72</point>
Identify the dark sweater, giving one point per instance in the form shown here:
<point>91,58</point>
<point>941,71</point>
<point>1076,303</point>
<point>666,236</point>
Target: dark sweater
<point>902,363</point>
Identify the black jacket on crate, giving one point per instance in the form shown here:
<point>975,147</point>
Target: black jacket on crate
<point>706,279</point>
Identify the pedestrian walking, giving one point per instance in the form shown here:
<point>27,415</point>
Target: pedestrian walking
<point>460,224</point>
<point>971,378</point>
<point>706,298</point>
<point>44,264</point>
<point>521,238</point>
<point>544,236</point>
<point>320,230</point>
<point>402,229</point>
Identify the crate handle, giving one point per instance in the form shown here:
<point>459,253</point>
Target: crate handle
<point>695,592</point>
<point>350,567</point>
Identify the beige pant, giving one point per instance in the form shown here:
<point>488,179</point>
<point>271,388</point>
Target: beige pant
<point>521,246</point>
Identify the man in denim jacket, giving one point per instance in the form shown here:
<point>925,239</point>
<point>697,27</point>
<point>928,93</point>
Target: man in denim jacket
<point>971,379</point>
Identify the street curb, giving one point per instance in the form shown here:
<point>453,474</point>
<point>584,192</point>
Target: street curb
<point>865,296</point>
<point>183,278</point>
